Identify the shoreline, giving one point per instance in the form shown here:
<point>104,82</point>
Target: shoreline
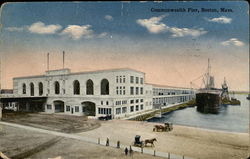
<point>205,129</point>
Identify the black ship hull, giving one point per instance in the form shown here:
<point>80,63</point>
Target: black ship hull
<point>208,102</point>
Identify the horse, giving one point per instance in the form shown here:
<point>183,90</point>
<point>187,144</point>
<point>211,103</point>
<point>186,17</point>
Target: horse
<point>151,141</point>
<point>159,127</point>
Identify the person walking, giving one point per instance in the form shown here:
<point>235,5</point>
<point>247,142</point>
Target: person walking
<point>130,151</point>
<point>107,142</point>
<point>126,151</point>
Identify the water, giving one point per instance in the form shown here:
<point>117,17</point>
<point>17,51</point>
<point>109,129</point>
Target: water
<point>230,118</point>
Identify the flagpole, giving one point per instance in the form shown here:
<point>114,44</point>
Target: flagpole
<point>63,58</point>
<point>48,61</point>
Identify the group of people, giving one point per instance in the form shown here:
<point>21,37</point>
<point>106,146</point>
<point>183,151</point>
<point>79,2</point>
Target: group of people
<point>126,151</point>
<point>130,151</point>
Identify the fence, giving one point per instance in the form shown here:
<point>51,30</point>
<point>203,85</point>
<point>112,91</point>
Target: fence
<point>142,150</point>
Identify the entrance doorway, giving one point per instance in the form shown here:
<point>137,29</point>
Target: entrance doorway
<point>59,106</point>
<point>89,108</point>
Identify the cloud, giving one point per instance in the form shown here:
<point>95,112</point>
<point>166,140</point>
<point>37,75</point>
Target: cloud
<point>41,28</point>
<point>154,26</point>
<point>108,17</point>
<point>180,32</point>
<point>232,41</point>
<point>18,29</point>
<point>104,34</point>
<point>222,19</point>
<point>77,32</point>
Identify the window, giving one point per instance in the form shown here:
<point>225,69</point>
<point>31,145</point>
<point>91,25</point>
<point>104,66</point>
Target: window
<point>117,90</point>
<point>101,102</point>
<point>107,102</point>
<point>67,108</point>
<point>131,108</point>
<point>24,88</point>
<point>124,79</point>
<point>89,87</point>
<point>137,80</point>
<point>40,87</point>
<point>131,101</point>
<point>121,90</point>
<point>141,106</point>
<point>141,80</point>
<point>31,89</point>
<point>124,102</point>
<point>118,111</point>
<point>137,107</point>
<point>124,109</point>
<point>131,79</point>
<point>76,109</point>
<point>76,88</point>
<point>49,106</point>
<point>117,79</point>
<point>124,90</point>
<point>131,90</point>
<point>141,100</point>
<point>104,87</point>
<point>57,87</point>
<point>137,101</point>
<point>137,90</point>
<point>120,79</point>
<point>141,90</point>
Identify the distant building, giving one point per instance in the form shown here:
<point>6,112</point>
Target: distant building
<point>116,92</point>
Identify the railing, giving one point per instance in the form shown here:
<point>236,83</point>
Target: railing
<point>142,150</point>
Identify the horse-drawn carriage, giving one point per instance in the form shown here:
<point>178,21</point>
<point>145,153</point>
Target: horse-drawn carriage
<point>140,143</point>
<point>165,127</point>
<point>137,141</point>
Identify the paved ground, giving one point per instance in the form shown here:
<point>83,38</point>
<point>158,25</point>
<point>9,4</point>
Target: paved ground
<point>19,143</point>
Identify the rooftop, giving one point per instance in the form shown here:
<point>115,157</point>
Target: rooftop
<point>66,71</point>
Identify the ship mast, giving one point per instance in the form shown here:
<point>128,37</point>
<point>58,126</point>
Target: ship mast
<point>208,75</point>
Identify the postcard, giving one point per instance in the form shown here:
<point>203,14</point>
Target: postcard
<point>109,80</point>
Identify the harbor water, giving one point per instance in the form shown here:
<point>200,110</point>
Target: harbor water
<point>232,118</point>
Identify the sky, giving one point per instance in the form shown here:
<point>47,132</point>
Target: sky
<point>172,48</point>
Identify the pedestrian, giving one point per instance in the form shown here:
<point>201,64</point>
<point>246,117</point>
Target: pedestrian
<point>118,144</point>
<point>130,150</point>
<point>107,142</point>
<point>126,151</point>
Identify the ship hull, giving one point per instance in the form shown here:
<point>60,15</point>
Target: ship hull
<point>208,102</point>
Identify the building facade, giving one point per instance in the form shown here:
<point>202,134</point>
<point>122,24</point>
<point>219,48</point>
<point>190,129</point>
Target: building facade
<point>116,92</point>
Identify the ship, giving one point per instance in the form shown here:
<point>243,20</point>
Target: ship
<point>208,99</point>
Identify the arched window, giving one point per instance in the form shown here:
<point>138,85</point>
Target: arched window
<point>57,87</point>
<point>40,86</point>
<point>24,88</point>
<point>76,86</point>
<point>31,89</point>
<point>104,87</point>
<point>89,87</point>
